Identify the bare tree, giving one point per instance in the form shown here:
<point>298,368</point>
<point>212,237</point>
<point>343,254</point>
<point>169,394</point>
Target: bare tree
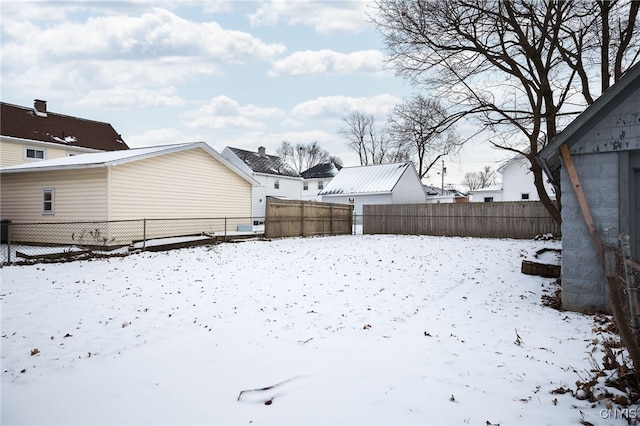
<point>336,160</point>
<point>285,152</point>
<point>416,125</point>
<point>372,143</point>
<point>304,156</point>
<point>515,68</point>
<point>482,179</point>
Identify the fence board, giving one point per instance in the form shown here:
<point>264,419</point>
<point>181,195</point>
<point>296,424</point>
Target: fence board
<point>518,219</point>
<point>296,218</point>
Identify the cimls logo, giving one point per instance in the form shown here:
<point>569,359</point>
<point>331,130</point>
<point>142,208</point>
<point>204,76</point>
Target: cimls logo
<point>619,413</point>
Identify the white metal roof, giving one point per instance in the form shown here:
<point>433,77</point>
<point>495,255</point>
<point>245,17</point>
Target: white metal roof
<point>111,158</point>
<point>380,178</point>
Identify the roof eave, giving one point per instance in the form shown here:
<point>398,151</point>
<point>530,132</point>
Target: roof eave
<point>549,156</point>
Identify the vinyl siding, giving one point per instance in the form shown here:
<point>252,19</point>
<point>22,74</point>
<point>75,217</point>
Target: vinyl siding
<point>409,189</point>
<point>80,195</point>
<point>12,153</point>
<point>185,184</point>
<point>290,188</point>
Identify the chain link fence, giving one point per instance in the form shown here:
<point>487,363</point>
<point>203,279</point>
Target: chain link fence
<point>37,242</point>
<point>623,278</point>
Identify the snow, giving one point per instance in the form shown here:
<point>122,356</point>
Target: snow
<point>357,329</point>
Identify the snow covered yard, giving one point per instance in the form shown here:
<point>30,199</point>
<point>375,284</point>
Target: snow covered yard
<point>355,329</point>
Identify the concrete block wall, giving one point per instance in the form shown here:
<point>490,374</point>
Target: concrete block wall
<point>583,281</point>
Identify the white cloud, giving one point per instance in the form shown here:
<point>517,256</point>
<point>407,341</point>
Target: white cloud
<point>223,112</point>
<point>327,17</point>
<point>337,106</point>
<point>118,57</point>
<point>157,137</point>
<point>130,97</point>
<point>326,61</point>
<point>149,35</point>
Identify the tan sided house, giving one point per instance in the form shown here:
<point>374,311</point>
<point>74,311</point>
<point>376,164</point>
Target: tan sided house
<point>34,134</point>
<point>182,181</point>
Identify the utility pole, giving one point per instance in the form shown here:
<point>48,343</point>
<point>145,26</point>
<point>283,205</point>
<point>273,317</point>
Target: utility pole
<point>444,170</point>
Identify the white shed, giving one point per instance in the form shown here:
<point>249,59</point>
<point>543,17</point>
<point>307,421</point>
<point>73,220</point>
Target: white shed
<point>396,183</point>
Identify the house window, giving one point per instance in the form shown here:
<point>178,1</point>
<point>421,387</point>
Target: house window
<point>320,184</point>
<point>525,196</point>
<point>488,199</point>
<point>48,201</point>
<point>305,186</point>
<point>276,184</point>
<point>34,153</point>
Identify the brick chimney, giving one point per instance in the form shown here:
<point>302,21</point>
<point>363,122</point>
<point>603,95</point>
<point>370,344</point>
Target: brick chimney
<point>262,151</point>
<point>41,107</point>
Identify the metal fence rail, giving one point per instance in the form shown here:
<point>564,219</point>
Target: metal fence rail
<point>623,279</point>
<point>24,242</point>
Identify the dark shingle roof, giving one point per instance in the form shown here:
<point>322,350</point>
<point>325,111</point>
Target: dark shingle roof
<point>26,123</point>
<point>267,164</point>
<point>321,171</point>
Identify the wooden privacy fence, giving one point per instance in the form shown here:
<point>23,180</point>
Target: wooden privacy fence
<point>295,218</point>
<point>518,219</point>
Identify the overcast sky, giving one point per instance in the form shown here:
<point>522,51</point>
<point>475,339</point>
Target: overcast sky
<point>230,73</point>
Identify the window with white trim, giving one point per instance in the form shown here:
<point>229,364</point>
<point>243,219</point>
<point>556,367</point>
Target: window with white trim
<point>48,201</point>
<point>305,186</point>
<point>34,153</point>
<point>524,196</point>
<point>276,184</point>
<point>320,184</point>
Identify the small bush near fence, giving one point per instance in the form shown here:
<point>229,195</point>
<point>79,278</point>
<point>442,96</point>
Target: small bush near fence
<point>520,219</point>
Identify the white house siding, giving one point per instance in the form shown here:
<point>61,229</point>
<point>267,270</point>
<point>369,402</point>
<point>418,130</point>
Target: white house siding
<point>184,184</point>
<point>12,152</point>
<point>480,195</point>
<point>517,180</point>
<point>289,187</point>
<point>359,201</point>
<point>311,194</point>
<point>409,189</point>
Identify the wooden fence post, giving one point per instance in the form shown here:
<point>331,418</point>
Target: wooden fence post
<point>144,234</point>
<point>9,242</point>
<point>332,228</point>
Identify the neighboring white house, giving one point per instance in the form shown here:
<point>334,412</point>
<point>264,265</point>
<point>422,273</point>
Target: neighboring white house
<point>396,183</point>
<point>487,194</point>
<point>316,179</point>
<point>275,177</point>
<point>437,195</point>
<point>517,184</point>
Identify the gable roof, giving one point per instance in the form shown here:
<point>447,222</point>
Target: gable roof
<point>549,156</point>
<point>113,158</point>
<point>263,163</point>
<point>380,178</point>
<point>40,125</point>
<point>321,171</point>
